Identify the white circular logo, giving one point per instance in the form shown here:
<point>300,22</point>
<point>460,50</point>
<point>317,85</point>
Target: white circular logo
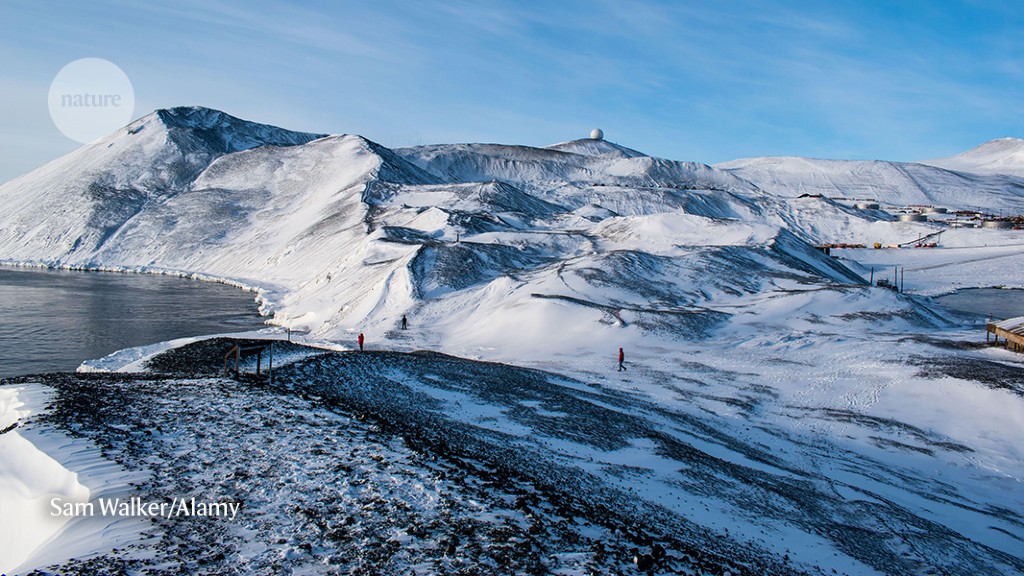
<point>90,98</point>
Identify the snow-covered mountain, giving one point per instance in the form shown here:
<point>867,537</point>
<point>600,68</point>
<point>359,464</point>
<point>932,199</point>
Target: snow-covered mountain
<point>343,233</point>
<point>891,183</point>
<point>77,203</point>
<point>773,403</point>
<point>1000,156</point>
<point>352,234</point>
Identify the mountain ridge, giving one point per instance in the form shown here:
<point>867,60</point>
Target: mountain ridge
<point>999,156</point>
<point>893,183</point>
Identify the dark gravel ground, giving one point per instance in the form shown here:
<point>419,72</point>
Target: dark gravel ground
<point>206,357</point>
<point>995,375</point>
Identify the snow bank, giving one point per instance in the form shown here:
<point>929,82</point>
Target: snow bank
<point>29,479</point>
<point>38,464</point>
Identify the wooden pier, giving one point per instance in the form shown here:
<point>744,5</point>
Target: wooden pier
<point>1011,330</point>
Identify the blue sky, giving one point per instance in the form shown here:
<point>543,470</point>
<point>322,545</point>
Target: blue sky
<point>703,81</point>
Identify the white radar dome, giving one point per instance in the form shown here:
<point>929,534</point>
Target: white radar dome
<point>597,134</point>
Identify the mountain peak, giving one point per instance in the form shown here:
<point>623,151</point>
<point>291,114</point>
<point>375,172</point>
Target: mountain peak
<point>194,117</point>
<point>221,132</point>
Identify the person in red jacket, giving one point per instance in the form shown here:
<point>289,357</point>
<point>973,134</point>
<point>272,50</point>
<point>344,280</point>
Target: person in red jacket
<point>361,340</point>
<point>622,359</point>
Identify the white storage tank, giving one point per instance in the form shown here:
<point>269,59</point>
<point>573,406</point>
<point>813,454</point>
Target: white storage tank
<point>913,218</point>
<point>997,224</point>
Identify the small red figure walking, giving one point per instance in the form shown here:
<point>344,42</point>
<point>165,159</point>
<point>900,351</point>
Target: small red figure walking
<point>622,358</point>
<point>361,340</point>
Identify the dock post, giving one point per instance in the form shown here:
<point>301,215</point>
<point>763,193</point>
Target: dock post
<point>234,350</point>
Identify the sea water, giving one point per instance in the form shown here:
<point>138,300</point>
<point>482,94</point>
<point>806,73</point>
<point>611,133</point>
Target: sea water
<point>52,320</point>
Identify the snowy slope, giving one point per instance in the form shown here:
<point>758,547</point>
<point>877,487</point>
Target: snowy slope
<point>1001,156</point>
<point>892,183</point>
